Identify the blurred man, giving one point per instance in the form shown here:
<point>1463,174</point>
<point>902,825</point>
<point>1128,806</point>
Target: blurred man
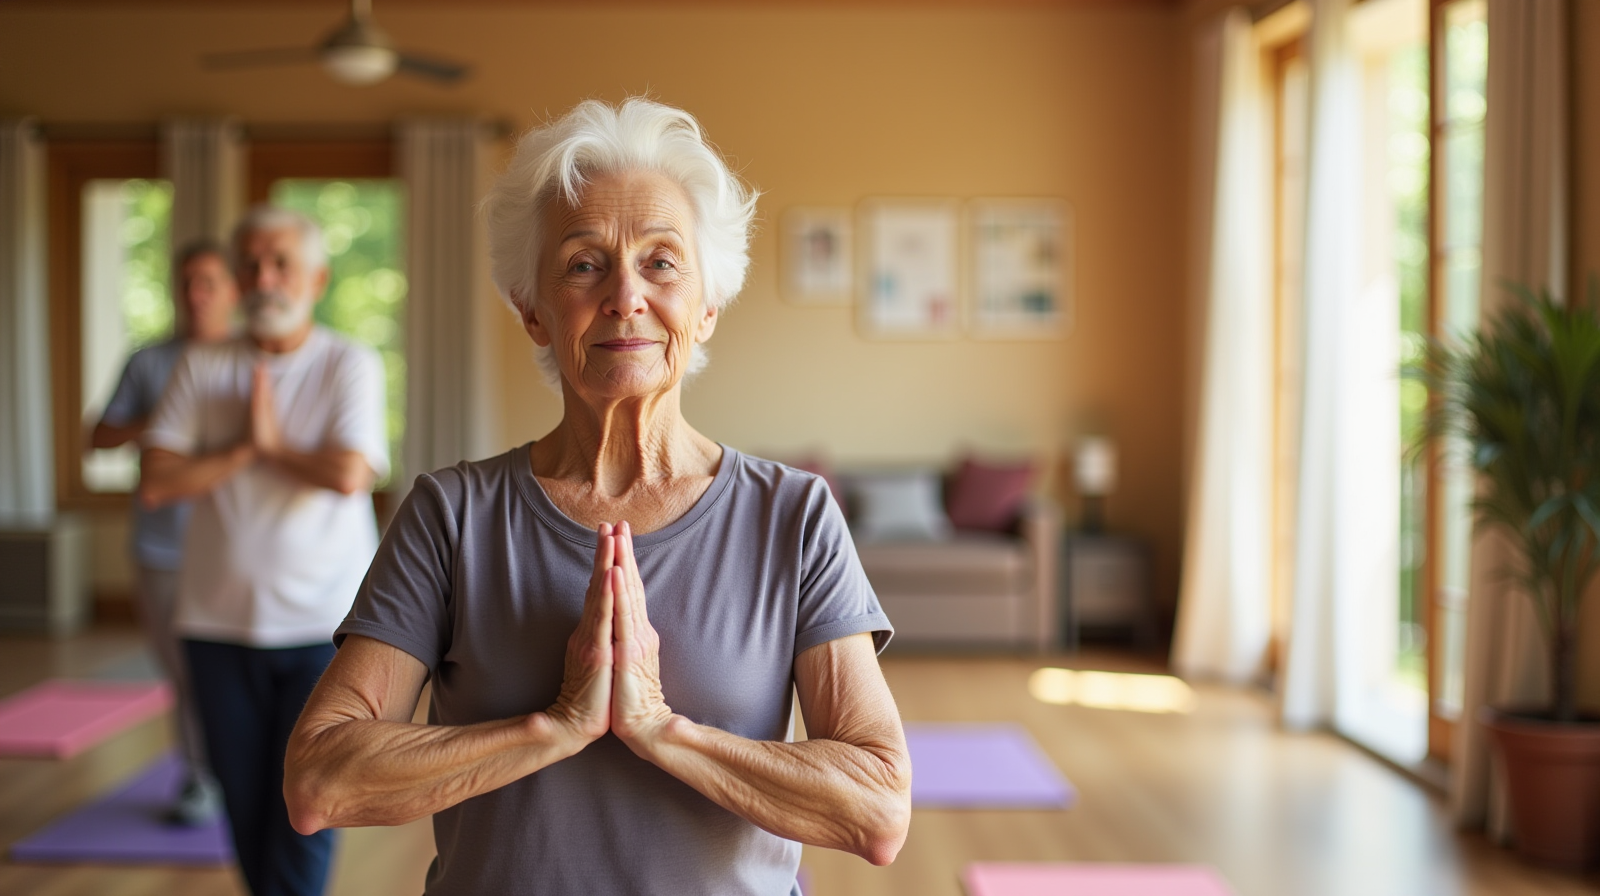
<point>205,300</point>
<point>278,437</point>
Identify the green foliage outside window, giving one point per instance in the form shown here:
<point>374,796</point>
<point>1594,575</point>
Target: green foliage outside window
<point>1409,154</point>
<point>362,222</point>
<point>147,253</point>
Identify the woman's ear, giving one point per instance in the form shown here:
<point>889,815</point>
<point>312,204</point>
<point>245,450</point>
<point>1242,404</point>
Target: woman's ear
<point>708,323</point>
<point>530,321</point>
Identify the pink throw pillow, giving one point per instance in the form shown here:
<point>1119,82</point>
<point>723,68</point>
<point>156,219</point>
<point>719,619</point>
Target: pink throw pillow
<point>988,496</point>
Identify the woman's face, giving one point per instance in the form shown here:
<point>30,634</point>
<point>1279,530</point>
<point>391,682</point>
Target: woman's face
<point>620,297</point>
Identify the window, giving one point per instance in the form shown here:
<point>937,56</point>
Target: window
<point>126,303</point>
<point>346,188</point>
<point>108,220</point>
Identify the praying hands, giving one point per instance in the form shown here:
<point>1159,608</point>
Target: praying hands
<point>613,668</point>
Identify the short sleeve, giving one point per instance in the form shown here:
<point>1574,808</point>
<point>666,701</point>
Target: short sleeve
<point>127,403</point>
<point>836,600</point>
<point>175,423</point>
<point>360,410</point>
<point>405,598</point>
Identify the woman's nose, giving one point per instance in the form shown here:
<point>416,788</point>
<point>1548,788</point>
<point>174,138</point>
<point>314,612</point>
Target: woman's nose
<point>626,297</point>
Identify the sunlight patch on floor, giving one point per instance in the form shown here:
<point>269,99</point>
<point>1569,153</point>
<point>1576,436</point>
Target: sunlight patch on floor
<point>1111,690</point>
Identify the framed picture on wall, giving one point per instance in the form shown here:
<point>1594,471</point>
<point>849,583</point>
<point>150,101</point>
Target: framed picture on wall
<point>815,255</point>
<point>909,268</point>
<point>1020,269</point>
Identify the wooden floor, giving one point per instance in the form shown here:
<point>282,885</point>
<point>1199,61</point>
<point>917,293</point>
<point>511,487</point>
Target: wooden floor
<point>1277,814</point>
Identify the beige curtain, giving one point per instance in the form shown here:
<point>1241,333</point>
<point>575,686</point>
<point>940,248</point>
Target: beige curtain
<point>204,160</point>
<point>27,468</point>
<point>1224,612</point>
<point>1525,231</point>
<point>449,305</point>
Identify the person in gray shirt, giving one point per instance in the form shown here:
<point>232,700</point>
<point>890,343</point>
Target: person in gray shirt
<point>617,617</point>
<point>205,299</point>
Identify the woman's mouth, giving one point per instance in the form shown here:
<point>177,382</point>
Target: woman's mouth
<point>626,345</point>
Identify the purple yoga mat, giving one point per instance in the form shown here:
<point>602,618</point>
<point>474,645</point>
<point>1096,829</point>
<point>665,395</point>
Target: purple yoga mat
<point>127,828</point>
<point>972,766</point>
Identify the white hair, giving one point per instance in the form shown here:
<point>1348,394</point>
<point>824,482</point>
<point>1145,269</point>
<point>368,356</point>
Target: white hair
<point>560,158</point>
<point>273,217</point>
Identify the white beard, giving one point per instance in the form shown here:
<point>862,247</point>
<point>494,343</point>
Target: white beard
<point>273,315</point>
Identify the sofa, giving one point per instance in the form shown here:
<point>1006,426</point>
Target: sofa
<point>964,560</point>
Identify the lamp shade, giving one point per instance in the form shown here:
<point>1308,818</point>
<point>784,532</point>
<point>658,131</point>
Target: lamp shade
<point>1095,466</point>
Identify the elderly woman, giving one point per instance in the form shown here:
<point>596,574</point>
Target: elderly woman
<point>615,616</point>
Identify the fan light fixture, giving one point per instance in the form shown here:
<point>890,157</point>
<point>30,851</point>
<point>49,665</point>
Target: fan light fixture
<point>357,52</point>
<point>360,65</point>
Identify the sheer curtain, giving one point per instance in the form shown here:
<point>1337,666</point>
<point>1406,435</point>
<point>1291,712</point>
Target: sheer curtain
<point>449,345</point>
<point>1337,659</point>
<point>204,160</point>
<point>1525,232</point>
<point>27,468</point>
<point>1224,616</point>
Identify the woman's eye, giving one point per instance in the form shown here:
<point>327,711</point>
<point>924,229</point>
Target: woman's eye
<point>583,267</point>
<point>661,264</point>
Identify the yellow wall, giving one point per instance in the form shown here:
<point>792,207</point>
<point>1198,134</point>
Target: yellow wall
<point>816,106</point>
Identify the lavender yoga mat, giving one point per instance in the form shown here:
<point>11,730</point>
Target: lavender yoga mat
<point>1091,879</point>
<point>127,828</point>
<point>974,766</point>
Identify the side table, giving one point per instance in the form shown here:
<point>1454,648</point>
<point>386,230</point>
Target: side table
<point>1105,583</point>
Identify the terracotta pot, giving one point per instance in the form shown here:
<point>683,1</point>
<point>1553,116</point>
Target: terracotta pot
<point>1553,779</point>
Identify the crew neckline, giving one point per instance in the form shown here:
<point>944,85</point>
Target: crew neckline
<point>546,509</point>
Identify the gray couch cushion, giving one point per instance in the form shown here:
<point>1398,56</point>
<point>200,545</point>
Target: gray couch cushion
<point>902,505</point>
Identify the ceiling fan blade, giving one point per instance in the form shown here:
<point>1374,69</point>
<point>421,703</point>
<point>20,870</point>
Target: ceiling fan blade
<point>441,70</point>
<point>255,58</point>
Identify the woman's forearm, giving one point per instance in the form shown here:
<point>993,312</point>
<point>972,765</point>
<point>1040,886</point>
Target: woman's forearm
<point>852,797</point>
<point>361,772</point>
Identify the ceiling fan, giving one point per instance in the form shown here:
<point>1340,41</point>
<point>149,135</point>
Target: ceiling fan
<point>356,52</point>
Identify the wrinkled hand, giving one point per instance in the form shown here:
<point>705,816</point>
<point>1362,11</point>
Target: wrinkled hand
<point>584,705</point>
<point>266,436</point>
<point>638,711</point>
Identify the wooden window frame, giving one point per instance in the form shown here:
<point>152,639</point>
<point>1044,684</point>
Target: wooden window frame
<point>1276,60</point>
<point>71,165</point>
<point>1441,728</point>
<point>275,160</point>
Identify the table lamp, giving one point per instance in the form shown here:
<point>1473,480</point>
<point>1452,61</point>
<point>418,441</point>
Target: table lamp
<point>1095,469</point>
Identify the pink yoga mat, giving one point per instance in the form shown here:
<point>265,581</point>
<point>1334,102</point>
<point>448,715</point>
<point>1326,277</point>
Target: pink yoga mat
<point>60,718</point>
<point>1090,879</point>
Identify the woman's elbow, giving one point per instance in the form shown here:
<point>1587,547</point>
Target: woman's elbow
<point>881,848</point>
<point>306,816</point>
<point>886,832</point>
<point>305,793</point>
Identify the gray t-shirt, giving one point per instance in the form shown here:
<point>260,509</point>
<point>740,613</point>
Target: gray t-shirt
<point>157,534</point>
<point>482,579</point>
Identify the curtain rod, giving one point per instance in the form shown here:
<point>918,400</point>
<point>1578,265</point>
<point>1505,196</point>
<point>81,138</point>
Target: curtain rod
<point>113,131</point>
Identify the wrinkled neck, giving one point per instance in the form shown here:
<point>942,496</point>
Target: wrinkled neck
<point>615,445</point>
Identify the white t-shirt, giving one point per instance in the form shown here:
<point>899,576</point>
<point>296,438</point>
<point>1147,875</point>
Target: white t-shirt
<point>269,560</point>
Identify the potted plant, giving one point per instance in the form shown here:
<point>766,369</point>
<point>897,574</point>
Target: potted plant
<point>1523,397</point>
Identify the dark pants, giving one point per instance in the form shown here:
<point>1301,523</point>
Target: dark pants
<point>248,700</point>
